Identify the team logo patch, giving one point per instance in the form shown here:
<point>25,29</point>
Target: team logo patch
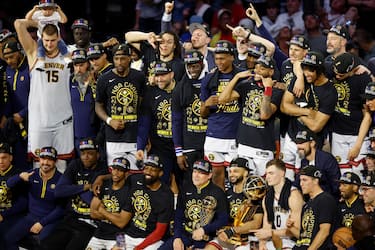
<point>53,186</point>
<point>211,157</point>
<point>338,158</point>
<point>37,152</point>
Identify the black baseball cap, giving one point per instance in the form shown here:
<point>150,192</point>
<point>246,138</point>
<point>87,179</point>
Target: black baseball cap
<point>311,171</point>
<point>224,47</point>
<point>266,61</point>
<point>340,30</point>
<point>313,58</point>
<point>240,162</point>
<point>369,181</point>
<point>122,49</point>
<point>81,23</point>
<point>203,166</point>
<point>369,92</point>
<point>5,148</point>
<point>153,161</point>
<point>350,178</point>
<point>5,33</point>
<point>162,68</point>
<point>256,49</point>
<point>11,47</point>
<point>95,51</point>
<point>88,144</point>
<point>121,163</point>
<point>48,152</point>
<point>304,136</point>
<point>344,63</point>
<point>79,56</point>
<point>370,153</point>
<point>193,56</point>
<point>300,41</point>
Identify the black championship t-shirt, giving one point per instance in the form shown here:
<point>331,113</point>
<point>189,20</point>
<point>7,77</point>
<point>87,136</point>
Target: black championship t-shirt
<point>321,209</point>
<point>114,201</point>
<point>348,115</point>
<point>7,195</point>
<point>253,131</point>
<point>121,98</point>
<point>148,207</point>
<point>348,211</point>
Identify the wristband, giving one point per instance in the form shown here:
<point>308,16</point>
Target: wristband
<point>248,36</point>
<point>268,91</point>
<point>108,121</point>
<point>178,151</point>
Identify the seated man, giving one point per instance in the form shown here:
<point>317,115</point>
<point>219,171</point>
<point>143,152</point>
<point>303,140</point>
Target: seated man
<point>108,207</point>
<point>77,228</point>
<point>201,210</point>
<point>44,208</point>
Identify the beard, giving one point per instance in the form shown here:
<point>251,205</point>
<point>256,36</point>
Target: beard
<point>81,77</point>
<point>237,180</point>
<point>151,181</point>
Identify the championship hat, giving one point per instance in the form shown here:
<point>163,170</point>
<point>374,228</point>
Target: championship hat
<point>256,49</point>
<point>5,148</point>
<point>46,3</point>
<point>300,41</point>
<point>369,181</point>
<point>11,47</point>
<point>193,56</point>
<point>304,136</point>
<point>122,49</point>
<point>240,162</point>
<point>121,163</point>
<point>350,178</point>
<point>48,152</point>
<point>162,68</point>
<point>344,63</point>
<point>312,58</point>
<point>88,144</point>
<point>266,61</point>
<point>369,92</point>
<point>153,161</point>
<point>5,33</point>
<point>95,51</point>
<point>198,26</point>
<point>81,23</point>
<point>203,166</point>
<point>79,56</point>
<point>340,30</point>
<point>311,171</point>
<point>225,47</point>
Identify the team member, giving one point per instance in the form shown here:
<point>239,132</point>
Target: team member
<point>44,208</point>
<point>367,191</point>
<point>109,206</point>
<point>82,92</point>
<point>318,213</point>
<point>76,229</point>
<point>150,205</point>
<point>312,111</point>
<point>156,123</point>
<point>351,204</point>
<point>223,119</point>
<point>245,210</point>
<point>13,202</point>
<point>259,101</point>
<point>346,119</point>
<point>99,61</point>
<point>50,111</point>
<point>188,127</point>
<point>282,202</point>
<point>118,98</point>
<point>81,30</point>
<point>201,210</point>
<point>18,79</point>
<point>324,161</point>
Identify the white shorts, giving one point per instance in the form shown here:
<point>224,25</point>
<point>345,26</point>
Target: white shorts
<point>259,158</point>
<point>122,149</point>
<point>220,152</point>
<point>288,244</point>
<point>131,243</point>
<point>290,156</point>
<point>99,244</point>
<point>61,138</point>
<point>340,148</point>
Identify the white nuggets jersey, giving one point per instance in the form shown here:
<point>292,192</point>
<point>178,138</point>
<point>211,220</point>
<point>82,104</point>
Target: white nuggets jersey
<point>49,98</point>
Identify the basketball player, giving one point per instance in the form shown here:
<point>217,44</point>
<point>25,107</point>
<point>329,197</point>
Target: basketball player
<point>50,110</point>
